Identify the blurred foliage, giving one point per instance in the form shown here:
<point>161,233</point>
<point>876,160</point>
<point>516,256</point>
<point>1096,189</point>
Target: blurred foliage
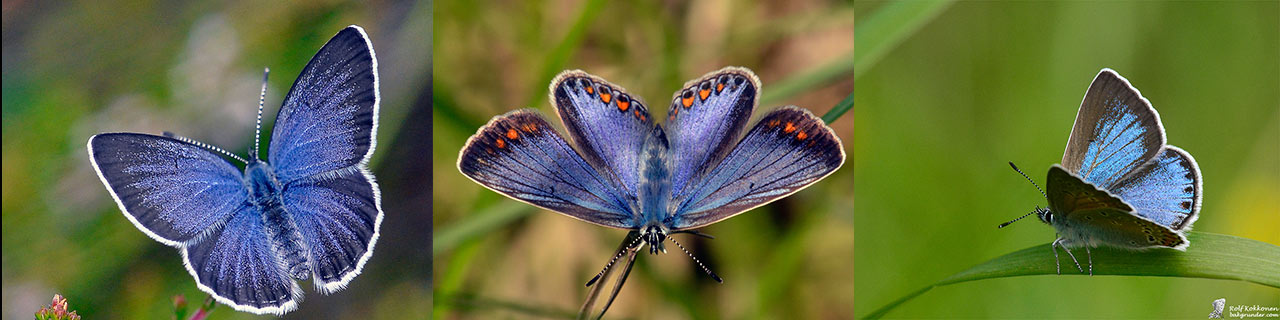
<point>984,83</point>
<point>498,258</point>
<point>76,68</point>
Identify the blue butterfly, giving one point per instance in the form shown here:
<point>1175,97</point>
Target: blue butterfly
<point>1119,184</point>
<point>629,172</point>
<point>312,210</point>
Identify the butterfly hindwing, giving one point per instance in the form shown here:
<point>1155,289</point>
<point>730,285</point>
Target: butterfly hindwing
<point>339,219</point>
<point>172,190</point>
<point>237,264</point>
<point>787,150</point>
<point>520,155</point>
<point>606,123</point>
<point>1115,132</point>
<point>1165,190</point>
<point>330,115</point>
<point>704,121</point>
<point>1097,217</point>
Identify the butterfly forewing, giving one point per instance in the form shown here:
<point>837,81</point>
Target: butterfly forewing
<point>704,122</point>
<point>1116,131</point>
<point>607,124</point>
<point>521,156</point>
<point>788,150</point>
<point>329,117</point>
<point>172,190</point>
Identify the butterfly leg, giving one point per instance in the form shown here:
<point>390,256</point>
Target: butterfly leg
<point>1056,264</point>
<point>1086,250</point>
<point>1073,257</point>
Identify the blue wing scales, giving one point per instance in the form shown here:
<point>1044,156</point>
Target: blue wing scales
<point>704,121</point>
<point>1115,132</point>
<point>172,190</point>
<point>237,265</point>
<point>330,114</point>
<point>607,124</point>
<point>1165,190</point>
<point>521,156</point>
<point>788,150</point>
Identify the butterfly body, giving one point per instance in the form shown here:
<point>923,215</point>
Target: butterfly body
<point>286,241</point>
<point>1119,185</point>
<point>629,172</point>
<point>310,210</point>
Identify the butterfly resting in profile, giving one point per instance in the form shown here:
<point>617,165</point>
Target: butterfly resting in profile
<point>1119,184</point>
<point>312,211</point>
<point>629,172</point>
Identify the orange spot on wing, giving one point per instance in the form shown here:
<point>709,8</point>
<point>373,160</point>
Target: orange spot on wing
<point>512,134</point>
<point>591,90</point>
<point>704,94</point>
<point>687,102</point>
<point>789,128</point>
<point>623,105</point>
<point>606,97</point>
<point>501,144</point>
<point>774,123</point>
<point>719,87</point>
<point>801,135</point>
<point>642,118</point>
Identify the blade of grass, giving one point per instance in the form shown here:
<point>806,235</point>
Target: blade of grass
<point>808,79</point>
<point>839,110</point>
<point>480,223</point>
<point>885,29</point>
<point>559,55</point>
<point>1211,256</point>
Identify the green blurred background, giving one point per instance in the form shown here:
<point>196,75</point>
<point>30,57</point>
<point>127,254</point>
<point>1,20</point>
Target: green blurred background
<point>985,83</point>
<point>498,258</point>
<point>76,68</point>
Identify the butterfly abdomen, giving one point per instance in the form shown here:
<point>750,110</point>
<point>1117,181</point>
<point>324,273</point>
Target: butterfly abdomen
<point>280,227</point>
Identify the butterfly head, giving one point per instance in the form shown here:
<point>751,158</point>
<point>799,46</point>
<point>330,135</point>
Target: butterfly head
<point>654,234</point>
<point>1044,214</point>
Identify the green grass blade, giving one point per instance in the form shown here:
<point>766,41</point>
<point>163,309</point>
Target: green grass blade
<point>481,223</point>
<point>879,33</point>
<point>1211,256</point>
<point>839,110</point>
<point>807,80</point>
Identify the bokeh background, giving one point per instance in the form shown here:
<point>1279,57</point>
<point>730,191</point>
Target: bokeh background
<point>498,258</point>
<point>985,83</point>
<point>76,68</point>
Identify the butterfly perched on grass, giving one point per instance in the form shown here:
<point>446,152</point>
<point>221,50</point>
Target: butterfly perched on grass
<point>1119,184</point>
<point>311,210</point>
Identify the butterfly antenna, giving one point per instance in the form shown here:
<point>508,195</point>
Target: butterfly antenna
<point>1002,225</point>
<point>205,146</point>
<point>1033,182</point>
<point>695,259</point>
<point>257,127</point>
<point>615,259</point>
